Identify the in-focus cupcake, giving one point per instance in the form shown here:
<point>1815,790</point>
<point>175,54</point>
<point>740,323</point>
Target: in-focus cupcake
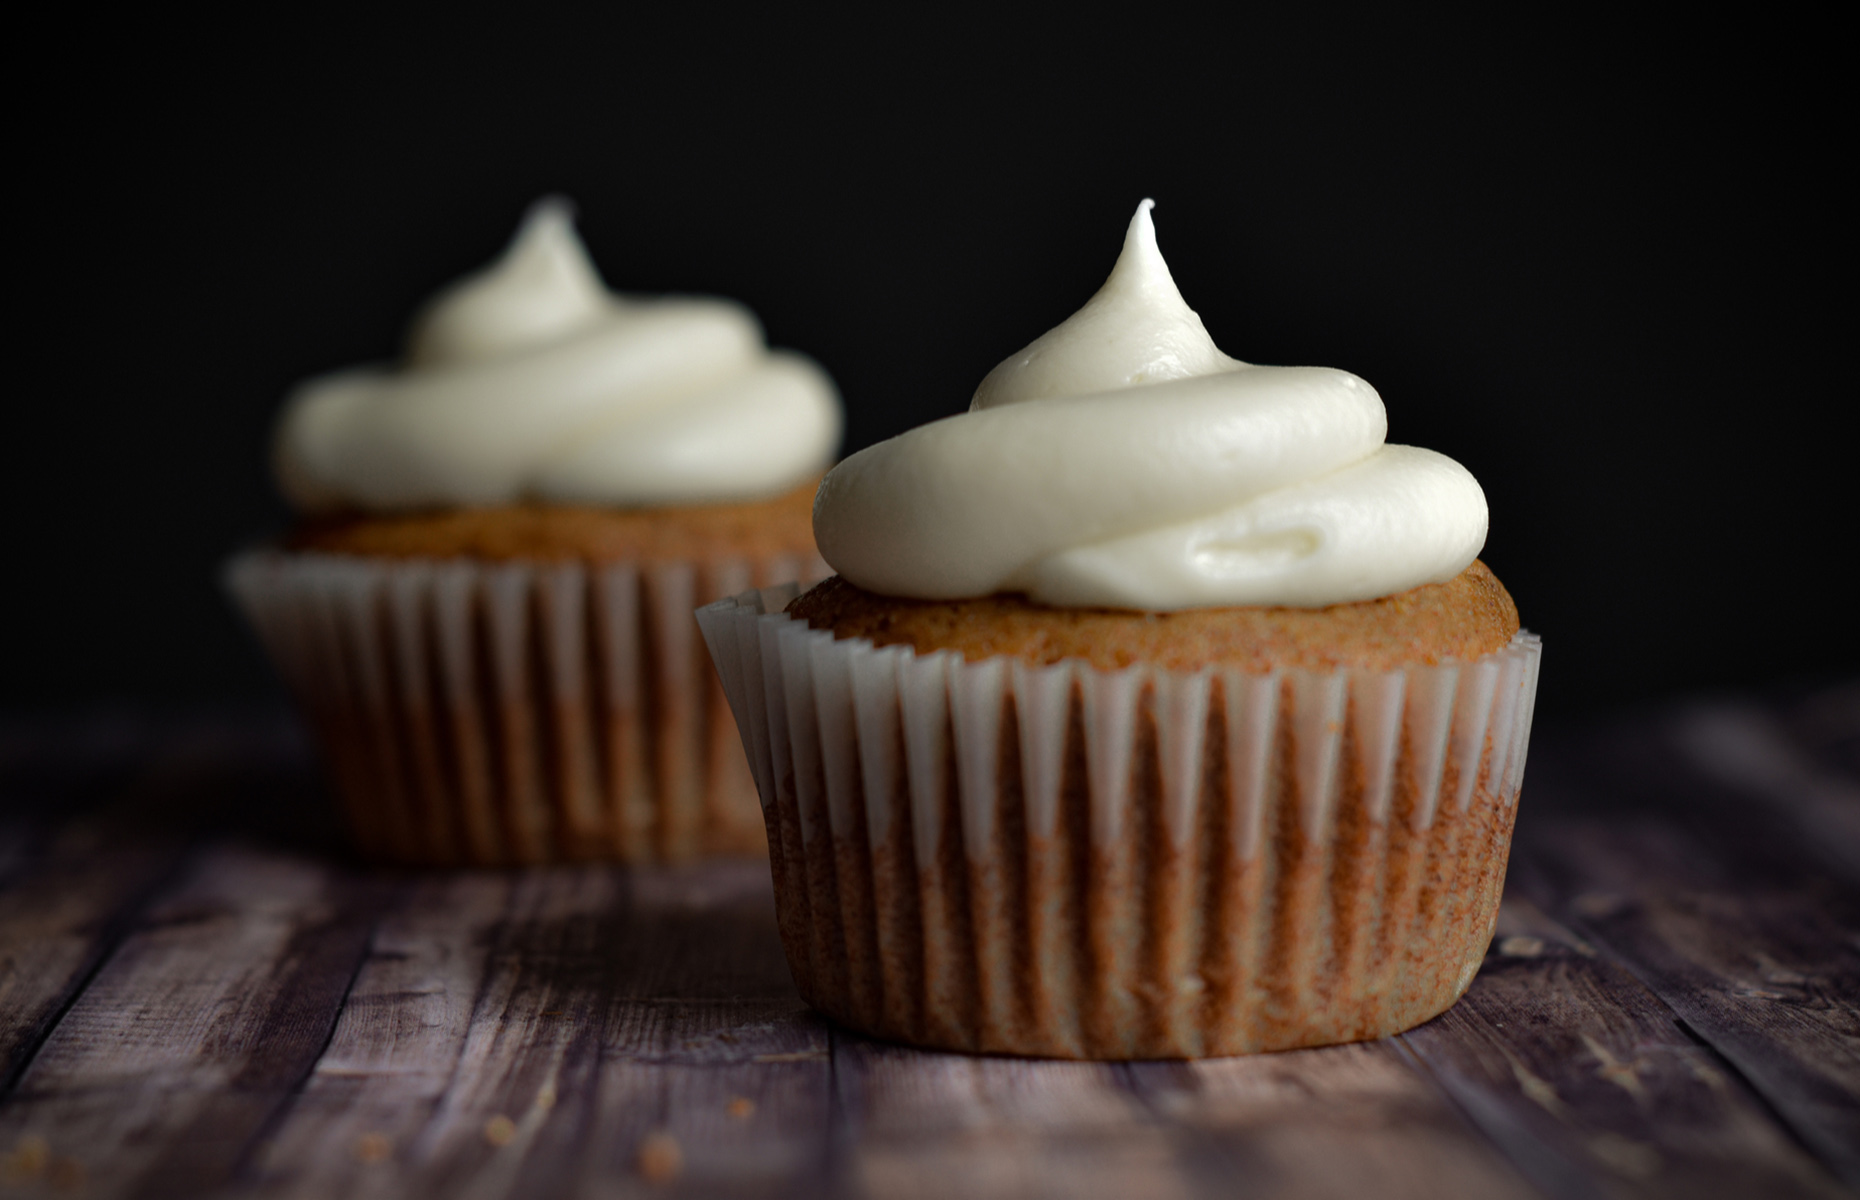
<point>485,610</point>
<point>1158,709</point>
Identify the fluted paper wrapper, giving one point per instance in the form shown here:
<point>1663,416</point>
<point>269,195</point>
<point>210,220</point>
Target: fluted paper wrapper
<point>512,713</point>
<point>1071,862</point>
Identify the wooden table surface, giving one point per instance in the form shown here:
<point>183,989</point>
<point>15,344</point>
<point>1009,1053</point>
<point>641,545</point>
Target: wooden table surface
<point>200,995</point>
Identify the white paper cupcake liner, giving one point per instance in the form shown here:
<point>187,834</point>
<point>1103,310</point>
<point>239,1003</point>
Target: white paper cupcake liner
<point>1080,863</point>
<point>505,713</point>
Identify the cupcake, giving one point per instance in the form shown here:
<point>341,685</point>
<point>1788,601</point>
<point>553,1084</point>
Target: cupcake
<point>485,609</point>
<point>1158,709</point>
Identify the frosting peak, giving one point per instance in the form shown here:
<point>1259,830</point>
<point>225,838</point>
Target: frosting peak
<point>541,290</point>
<point>1137,329</point>
<point>1122,461</point>
<point>530,380</point>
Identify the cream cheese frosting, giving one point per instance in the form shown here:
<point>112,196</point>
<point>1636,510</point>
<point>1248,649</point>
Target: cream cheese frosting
<point>1122,461</point>
<point>531,381</point>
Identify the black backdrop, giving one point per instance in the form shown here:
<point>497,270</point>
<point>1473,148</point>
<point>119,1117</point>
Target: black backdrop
<point>1596,265</point>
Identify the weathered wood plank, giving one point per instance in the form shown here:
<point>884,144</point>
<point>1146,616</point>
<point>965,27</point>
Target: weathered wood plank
<point>1585,1079</point>
<point>1759,755</point>
<point>107,831</point>
<point>1342,1121</point>
<point>59,920</point>
<point>600,1032</point>
<point>527,1034</point>
<point>1717,864</point>
<point>395,1048</point>
<point>521,974</point>
<point>1765,970</point>
<point>913,1123</point>
<point>206,1018</point>
<point>707,1047</point>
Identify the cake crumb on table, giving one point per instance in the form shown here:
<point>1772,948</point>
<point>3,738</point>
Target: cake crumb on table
<point>661,1159</point>
<point>27,1161</point>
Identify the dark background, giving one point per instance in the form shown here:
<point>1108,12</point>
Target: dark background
<point>1594,264</point>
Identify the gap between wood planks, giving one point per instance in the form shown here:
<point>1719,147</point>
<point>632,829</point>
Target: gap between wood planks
<point>100,819</point>
<point>1697,897</point>
<point>1584,1078</point>
<point>1566,1056</point>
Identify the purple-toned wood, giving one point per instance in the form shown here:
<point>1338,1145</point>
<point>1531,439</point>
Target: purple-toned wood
<point>201,995</point>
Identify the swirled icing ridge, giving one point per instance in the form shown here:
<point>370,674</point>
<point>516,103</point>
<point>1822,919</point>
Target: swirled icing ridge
<point>530,380</point>
<point>1122,461</point>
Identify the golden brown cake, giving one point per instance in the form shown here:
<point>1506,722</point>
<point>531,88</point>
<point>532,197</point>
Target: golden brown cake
<point>570,533</point>
<point>1467,617</point>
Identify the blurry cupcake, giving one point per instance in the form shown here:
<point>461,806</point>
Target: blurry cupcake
<point>485,610</point>
<point>1159,709</point>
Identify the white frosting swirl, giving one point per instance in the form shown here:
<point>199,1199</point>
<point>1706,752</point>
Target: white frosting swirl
<point>530,380</point>
<point>1122,461</point>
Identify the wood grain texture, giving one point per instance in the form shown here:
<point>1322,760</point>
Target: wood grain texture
<point>200,1025</point>
<point>1794,768</point>
<point>1766,974</point>
<point>1340,1121</point>
<point>1711,851</point>
<point>706,1015</point>
<point>921,1123</point>
<point>95,820</point>
<point>1591,1085</point>
<point>200,995</point>
<point>524,1034</point>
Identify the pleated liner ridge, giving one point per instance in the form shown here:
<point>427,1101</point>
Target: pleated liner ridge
<point>1069,862</point>
<point>514,713</point>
